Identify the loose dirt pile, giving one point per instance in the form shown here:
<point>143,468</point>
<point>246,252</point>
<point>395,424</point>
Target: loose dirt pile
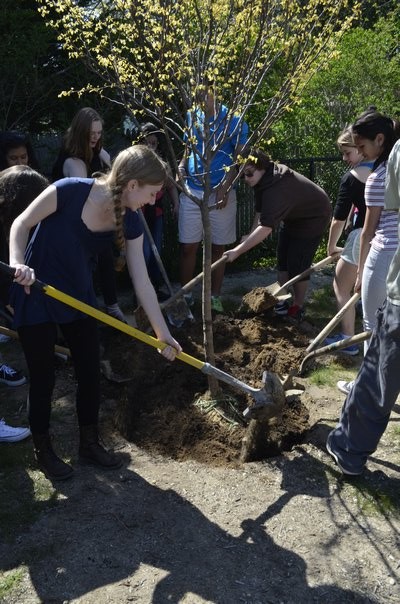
<point>166,408</point>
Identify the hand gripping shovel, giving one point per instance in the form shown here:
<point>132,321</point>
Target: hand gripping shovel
<point>179,311</point>
<point>264,405</point>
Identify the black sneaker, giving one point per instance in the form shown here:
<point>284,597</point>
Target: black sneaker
<point>11,377</point>
<point>281,308</point>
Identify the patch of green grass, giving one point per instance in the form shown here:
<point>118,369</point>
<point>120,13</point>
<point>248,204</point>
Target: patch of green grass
<point>375,502</point>
<point>10,580</point>
<point>322,303</point>
<point>328,375</point>
<point>396,430</point>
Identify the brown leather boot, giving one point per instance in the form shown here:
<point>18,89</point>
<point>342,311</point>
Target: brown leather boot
<point>91,451</point>
<point>52,466</point>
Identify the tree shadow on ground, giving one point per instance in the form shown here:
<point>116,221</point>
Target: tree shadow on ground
<point>106,526</point>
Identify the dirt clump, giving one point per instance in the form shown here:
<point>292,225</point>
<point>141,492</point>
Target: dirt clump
<point>258,300</point>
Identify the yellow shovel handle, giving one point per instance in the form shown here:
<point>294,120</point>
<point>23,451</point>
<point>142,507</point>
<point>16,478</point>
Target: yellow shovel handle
<point>120,325</point>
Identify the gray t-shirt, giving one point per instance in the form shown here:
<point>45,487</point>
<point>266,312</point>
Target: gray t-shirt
<point>392,202</point>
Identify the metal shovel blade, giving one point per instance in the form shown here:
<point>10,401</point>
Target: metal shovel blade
<point>178,312</point>
<point>274,399</point>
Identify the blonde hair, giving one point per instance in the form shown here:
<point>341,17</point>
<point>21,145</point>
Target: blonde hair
<point>140,163</point>
<point>345,139</point>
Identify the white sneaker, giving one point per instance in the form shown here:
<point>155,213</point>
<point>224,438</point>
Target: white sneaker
<point>344,386</point>
<point>12,435</point>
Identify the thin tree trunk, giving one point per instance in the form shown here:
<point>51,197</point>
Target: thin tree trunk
<point>208,336</point>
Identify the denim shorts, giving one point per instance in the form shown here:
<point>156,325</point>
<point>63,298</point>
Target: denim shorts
<point>351,250</point>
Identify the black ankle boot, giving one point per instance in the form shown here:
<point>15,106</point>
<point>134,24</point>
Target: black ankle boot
<point>52,466</point>
<point>91,451</point>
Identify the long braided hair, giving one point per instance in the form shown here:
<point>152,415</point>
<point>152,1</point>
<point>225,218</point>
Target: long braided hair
<point>135,163</point>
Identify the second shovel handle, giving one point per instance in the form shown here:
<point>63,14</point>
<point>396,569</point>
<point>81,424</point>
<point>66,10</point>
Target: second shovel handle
<point>333,322</point>
<point>190,284</point>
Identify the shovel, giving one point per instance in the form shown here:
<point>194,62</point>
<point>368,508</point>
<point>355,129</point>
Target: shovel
<point>333,322</point>
<point>179,311</point>
<point>264,404</point>
<point>276,289</point>
<point>357,339</point>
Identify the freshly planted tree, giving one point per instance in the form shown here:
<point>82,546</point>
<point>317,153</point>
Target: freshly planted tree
<point>156,57</point>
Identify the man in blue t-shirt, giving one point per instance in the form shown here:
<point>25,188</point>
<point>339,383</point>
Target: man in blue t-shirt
<point>227,136</point>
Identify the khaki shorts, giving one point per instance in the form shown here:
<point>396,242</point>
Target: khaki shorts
<point>351,250</point>
<point>223,222</point>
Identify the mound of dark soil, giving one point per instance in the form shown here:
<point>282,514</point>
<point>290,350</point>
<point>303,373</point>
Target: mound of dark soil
<point>166,409</point>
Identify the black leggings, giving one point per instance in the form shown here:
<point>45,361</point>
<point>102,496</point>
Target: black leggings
<point>38,343</point>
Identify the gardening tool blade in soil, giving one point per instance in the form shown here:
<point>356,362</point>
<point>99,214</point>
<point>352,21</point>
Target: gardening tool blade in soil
<point>274,394</point>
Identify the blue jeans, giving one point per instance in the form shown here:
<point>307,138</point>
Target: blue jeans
<point>156,229</point>
<point>366,411</point>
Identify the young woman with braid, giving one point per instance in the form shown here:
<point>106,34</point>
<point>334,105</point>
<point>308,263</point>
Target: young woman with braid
<point>57,239</point>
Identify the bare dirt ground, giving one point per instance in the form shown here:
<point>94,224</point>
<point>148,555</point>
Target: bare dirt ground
<point>185,521</point>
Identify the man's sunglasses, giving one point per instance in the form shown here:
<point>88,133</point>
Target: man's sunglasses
<point>247,174</point>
